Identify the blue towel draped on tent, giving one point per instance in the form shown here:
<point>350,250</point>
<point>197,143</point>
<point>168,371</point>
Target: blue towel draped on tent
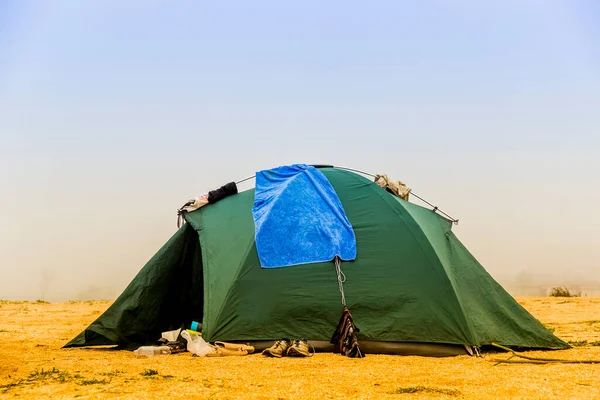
<point>299,218</point>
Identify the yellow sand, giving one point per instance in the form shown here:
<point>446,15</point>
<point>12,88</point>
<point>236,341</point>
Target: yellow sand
<point>31,335</point>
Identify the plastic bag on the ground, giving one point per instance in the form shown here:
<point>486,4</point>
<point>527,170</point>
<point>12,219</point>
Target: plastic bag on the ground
<point>171,336</point>
<point>196,345</point>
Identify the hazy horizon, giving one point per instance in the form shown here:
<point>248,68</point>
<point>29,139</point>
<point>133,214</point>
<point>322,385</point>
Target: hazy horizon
<point>113,114</point>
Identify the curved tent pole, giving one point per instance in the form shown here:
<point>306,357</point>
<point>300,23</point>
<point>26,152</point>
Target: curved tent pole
<point>245,179</point>
<point>355,170</point>
<point>434,208</point>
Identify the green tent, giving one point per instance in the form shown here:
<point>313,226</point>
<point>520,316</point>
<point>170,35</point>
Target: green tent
<point>413,289</point>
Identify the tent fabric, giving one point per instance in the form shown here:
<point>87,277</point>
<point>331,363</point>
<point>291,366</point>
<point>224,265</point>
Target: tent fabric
<point>165,294</point>
<point>299,218</point>
<point>412,281</point>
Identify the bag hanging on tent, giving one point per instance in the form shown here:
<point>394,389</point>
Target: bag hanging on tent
<point>344,338</point>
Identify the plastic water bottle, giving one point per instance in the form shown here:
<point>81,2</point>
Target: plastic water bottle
<point>196,326</point>
<point>151,351</point>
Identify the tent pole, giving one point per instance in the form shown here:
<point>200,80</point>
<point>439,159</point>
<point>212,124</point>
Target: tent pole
<point>435,208</point>
<point>245,179</point>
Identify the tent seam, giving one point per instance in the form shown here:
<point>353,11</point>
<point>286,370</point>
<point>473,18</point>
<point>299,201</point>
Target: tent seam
<point>456,293</point>
<point>234,281</point>
<point>453,291</point>
<point>205,275</point>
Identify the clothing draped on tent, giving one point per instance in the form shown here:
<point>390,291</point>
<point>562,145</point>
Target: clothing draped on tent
<point>345,336</point>
<point>211,197</point>
<point>397,188</point>
<point>222,192</point>
<point>299,218</point>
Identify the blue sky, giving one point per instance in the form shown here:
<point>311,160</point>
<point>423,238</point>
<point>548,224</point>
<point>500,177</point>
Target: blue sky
<point>113,113</point>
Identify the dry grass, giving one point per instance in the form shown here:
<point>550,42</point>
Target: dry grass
<point>32,365</point>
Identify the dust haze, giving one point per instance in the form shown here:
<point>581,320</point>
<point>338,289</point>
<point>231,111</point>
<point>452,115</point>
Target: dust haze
<point>91,250</point>
<point>108,124</point>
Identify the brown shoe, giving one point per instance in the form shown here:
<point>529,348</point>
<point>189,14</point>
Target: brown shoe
<point>279,348</point>
<point>223,352</point>
<point>235,346</point>
<point>299,348</point>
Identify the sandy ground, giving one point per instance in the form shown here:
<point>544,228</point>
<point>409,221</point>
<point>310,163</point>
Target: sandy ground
<point>32,364</point>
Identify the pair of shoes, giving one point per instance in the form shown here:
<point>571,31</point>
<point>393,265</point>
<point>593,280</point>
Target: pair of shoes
<point>289,348</point>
